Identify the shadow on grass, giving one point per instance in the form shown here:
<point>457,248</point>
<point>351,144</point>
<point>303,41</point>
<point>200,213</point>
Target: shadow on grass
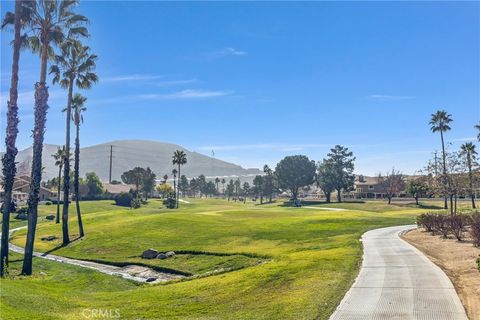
<point>60,246</point>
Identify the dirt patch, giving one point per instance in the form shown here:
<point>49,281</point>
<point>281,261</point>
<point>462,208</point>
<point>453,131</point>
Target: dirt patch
<point>457,260</point>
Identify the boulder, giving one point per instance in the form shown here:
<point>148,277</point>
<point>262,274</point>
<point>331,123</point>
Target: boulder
<point>162,256</point>
<point>50,217</point>
<point>151,279</point>
<point>170,254</point>
<point>21,216</point>
<point>149,254</point>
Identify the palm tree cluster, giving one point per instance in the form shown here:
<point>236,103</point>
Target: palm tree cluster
<point>440,122</point>
<point>53,30</point>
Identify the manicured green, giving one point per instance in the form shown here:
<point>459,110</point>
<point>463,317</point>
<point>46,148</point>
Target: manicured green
<point>292,263</point>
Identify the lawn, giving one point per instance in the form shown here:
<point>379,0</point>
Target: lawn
<point>286,263</point>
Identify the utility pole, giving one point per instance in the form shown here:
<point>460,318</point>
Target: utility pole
<point>110,173</point>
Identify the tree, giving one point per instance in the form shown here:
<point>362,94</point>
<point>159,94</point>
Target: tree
<point>135,177</point>
<point>294,172</point>
<point>94,184</point>
<point>268,185</point>
<point>217,181</point>
<point>59,157</point>
<point>237,188</point>
<point>258,187</point>
<point>179,158</point>
<point>230,189</point>
<point>174,173</point>
<point>19,19</point>
<point>210,189</point>
<point>202,185</point>
<point>477,126</point>
<point>164,189</point>
<point>440,122</point>
<point>393,183</point>
<point>78,106</point>
<point>326,178</point>
<point>73,66</point>
<point>183,184</point>
<point>468,150</point>
<point>194,187</point>
<point>223,185</point>
<point>246,190</point>
<point>342,165</point>
<point>148,182</point>
<point>165,178</point>
<point>417,188</point>
<point>51,23</point>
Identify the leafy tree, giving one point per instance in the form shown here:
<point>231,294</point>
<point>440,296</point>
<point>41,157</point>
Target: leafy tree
<point>392,183</point>
<point>78,106</point>
<point>148,182</point>
<point>202,185</point>
<point>94,184</point>
<point>246,191</point>
<point>342,165</point>
<point>183,184</point>
<point>210,188</point>
<point>18,19</point>
<point>326,178</point>
<point>294,172</point>
<point>59,157</point>
<point>238,186</point>
<point>440,122</point>
<point>268,185</point>
<point>135,177</point>
<point>230,189</point>
<point>258,187</point>
<point>417,188</point>
<point>179,158</point>
<point>164,189</point>
<point>51,23</point>
<point>469,152</point>
<point>194,187</point>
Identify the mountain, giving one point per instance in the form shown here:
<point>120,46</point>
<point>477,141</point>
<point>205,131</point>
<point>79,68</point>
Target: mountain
<point>127,154</point>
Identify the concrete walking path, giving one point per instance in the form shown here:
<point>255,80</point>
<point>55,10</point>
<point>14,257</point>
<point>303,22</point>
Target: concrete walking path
<point>130,272</point>
<point>397,281</point>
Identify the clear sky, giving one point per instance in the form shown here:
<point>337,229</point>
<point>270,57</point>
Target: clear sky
<point>257,81</point>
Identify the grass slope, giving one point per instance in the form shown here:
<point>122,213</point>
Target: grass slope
<point>312,257</point>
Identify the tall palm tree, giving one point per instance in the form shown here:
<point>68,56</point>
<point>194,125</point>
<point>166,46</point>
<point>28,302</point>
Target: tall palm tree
<point>78,106</point>
<point>223,185</point>
<point>217,181</point>
<point>440,122</point>
<point>74,66</point>
<point>19,19</point>
<point>468,149</point>
<point>477,126</point>
<point>59,157</point>
<point>51,22</point>
<point>174,172</point>
<point>179,158</point>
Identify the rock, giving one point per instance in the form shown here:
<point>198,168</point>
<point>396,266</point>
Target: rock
<point>162,256</point>
<point>49,238</point>
<point>50,217</point>
<point>149,254</point>
<point>21,216</point>
<point>151,279</point>
<point>170,254</point>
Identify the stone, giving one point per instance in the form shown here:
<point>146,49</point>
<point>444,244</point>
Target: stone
<point>50,217</point>
<point>49,238</point>
<point>162,256</point>
<point>149,254</point>
<point>151,279</point>
<point>21,216</point>
<point>170,254</point>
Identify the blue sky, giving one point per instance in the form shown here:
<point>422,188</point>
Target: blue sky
<point>257,81</point>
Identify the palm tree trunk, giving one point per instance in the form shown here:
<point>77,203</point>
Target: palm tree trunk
<point>179,174</point>
<point>76,179</point>
<point>470,178</point>
<point>57,219</point>
<point>445,205</point>
<point>8,160</point>
<point>339,195</point>
<point>66,170</point>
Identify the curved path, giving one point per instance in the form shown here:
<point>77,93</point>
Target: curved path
<point>397,281</point>
<point>130,272</point>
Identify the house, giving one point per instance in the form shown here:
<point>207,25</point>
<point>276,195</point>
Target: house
<point>118,188</point>
<point>21,189</point>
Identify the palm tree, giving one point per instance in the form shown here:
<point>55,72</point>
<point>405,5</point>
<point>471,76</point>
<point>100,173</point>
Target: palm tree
<point>165,178</point>
<point>74,66</point>
<point>19,18</point>
<point>223,185</point>
<point>51,22</point>
<point>179,158</point>
<point>468,149</point>
<point>439,122</point>
<point>78,106</point>
<point>217,181</point>
<point>59,157</point>
<point>477,126</point>
<point>174,172</point>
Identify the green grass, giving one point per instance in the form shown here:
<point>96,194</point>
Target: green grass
<point>291,263</point>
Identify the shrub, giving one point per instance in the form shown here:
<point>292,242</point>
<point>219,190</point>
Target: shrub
<point>457,225</point>
<point>123,199</point>
<point>478,263</point>
<point>426,220</point>
<point>135,203</point>
<point>475,228</point>
<point>442,224</point>
<point>48,203</point>
<point>170,202</point>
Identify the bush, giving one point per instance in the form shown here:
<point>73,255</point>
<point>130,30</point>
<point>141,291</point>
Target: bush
<point>441,223</point>
<point>457,225</point>
<point>426,220</point>
<point>478,263</point>
<point>123,199</point>
<point>48,203</point>
<point>475,228</point>
<point>135,203</point>
<point>170,202</point>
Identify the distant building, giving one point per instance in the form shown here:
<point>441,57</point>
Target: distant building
<point>21,189</point>
<point>117,188</point>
